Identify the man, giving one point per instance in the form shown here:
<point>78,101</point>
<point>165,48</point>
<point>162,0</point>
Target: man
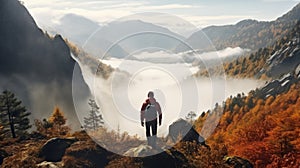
<point>149,111</point>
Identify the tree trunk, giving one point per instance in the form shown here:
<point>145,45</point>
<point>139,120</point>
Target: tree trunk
<point>11,121</point>
<point>12,128</point>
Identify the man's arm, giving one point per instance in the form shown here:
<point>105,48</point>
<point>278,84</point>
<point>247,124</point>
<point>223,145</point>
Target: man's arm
<point>143,113</point>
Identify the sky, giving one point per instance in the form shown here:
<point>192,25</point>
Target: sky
<point>200,13</point>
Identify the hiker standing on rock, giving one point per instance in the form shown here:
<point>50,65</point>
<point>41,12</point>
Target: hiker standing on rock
<point>149,111</point>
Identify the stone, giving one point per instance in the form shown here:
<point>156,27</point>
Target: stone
<point>54,149</point>
<point>237,162</point>
<point>46,164</point>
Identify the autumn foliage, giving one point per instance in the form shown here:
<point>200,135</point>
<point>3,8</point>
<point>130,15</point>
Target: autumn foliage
<point>55,125</point>
<point>264,130</point>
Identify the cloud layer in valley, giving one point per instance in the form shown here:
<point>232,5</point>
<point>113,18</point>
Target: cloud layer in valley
<point>121,96</point>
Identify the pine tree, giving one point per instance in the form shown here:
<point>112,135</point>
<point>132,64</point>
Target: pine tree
<point>95,119</point>
<point>13,116</point>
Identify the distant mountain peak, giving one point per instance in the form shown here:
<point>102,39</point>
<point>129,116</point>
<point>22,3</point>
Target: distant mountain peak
<point>246,22</point>
<point>74,18</point>
<point>293,14</point>
<point>247,33</point>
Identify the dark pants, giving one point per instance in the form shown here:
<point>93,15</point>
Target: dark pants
<point>153,125</point>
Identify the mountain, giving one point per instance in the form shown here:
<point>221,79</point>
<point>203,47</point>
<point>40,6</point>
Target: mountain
<point>249,34</point>
<point>36,67</point>
<point>274,61</point>
<point>136,34</point>
<point>105,39</point>
<point>78,29</point>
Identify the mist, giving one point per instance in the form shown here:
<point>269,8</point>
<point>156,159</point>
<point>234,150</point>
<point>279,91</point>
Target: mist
<point>167,57</point>
<point>120,96</point>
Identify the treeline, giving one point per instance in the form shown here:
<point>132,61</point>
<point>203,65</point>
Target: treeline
<point>254,35</point>
<point>94,64</point>
<point>264,130</point>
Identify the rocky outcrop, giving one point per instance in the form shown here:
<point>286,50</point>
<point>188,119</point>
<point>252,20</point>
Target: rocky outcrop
<point>237,162</point>
<point>140,151</point>
<point>277,86</point>
<point>184,130</point>
<point>168,158</point>
<point>87,154</point>
<point>284,60</point>
<point>54,149</point>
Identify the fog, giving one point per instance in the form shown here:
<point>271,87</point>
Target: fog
<point>120,97</point>
<point>188,56</point>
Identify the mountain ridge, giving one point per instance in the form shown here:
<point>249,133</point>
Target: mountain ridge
<point>247,33</point>
<point>130,35</point>
<point>36,67</point>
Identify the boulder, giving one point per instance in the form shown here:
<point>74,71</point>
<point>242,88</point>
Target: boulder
<point>86,154</point>
<point>142,151</point>
<point>54,149</point>
<point>237,162</point>
<point>183,128</point>
<point>169,158</point>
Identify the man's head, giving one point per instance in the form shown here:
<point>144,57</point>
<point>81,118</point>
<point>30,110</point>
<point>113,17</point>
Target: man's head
<point>150,94</point>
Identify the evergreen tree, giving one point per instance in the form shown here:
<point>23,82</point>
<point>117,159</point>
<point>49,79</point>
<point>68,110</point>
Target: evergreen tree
<point>95,119</point>
<point>13,116</point>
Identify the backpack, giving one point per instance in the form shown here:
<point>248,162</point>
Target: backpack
<point>150,112</point>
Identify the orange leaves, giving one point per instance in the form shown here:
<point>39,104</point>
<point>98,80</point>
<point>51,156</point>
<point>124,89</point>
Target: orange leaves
<point>54,126</point>
<point>257,152</point>
<point>263,131</point>
<point>57,117</point>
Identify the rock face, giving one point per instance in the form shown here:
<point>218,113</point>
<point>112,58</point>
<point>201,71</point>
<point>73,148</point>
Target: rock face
<point>183,128</point>
<point>237,162</point>
<point>37,68</point>
<point>285,60</point>
<point>277,86</point>
<point>54,149</point>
